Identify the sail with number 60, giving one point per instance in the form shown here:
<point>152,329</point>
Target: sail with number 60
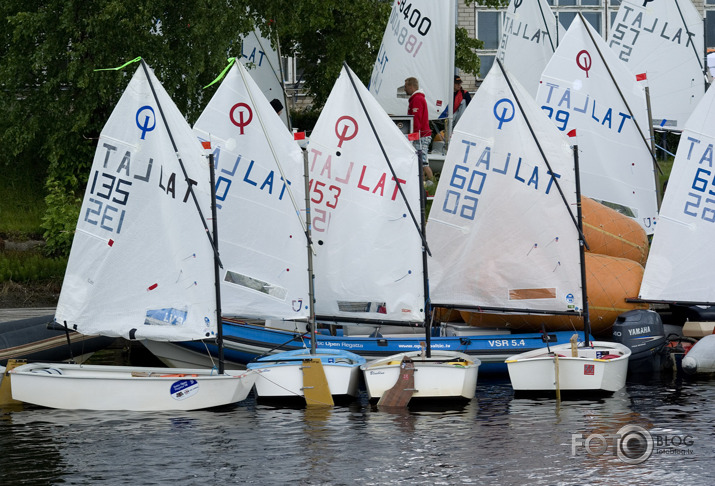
<point>502,237</point>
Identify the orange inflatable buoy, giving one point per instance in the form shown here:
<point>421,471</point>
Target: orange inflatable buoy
<point>609,232</point>
<point>446,315</point>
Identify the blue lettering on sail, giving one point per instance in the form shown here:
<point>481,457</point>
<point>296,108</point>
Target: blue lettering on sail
<point>470,177</point>
<point>595,112</point>
<point>251,56</point>
<point>700,199</point>
<point>246,174</point>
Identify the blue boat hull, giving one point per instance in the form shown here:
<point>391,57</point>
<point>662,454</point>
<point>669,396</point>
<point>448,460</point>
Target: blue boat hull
<point>244,343</point>
<point>41,339</point>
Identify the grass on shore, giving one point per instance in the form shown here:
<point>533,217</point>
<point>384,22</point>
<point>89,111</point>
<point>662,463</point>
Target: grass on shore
<point>22,205</point>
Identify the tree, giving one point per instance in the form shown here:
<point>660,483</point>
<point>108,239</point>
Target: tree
<point>54,104</point>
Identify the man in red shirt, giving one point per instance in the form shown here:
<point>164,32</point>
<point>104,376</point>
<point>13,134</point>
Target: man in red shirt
<point>417,108</point>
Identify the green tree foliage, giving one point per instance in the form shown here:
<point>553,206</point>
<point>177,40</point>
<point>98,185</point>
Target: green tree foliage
<point>323,34</point>
<point>54,104</point>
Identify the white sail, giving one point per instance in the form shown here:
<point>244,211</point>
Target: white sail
<point>665,40</point>
<point>681,262</point>
<point>263,245</point>
<point>141,264</point>
<point>263,62</point>
<point>529,37</point>
<point>418,42</point>
<point>369,260</point>
<point>500,233</point>
<point>577,91</point>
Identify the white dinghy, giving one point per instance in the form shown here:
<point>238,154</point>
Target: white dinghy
<point>270,262</point>
<point>143,265</point>
<point>513,169</point>
<point>597,367</point>
<point>442,375</point>
<point>374,213</point>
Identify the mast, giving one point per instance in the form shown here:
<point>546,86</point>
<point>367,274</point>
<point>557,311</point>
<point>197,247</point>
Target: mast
<point>582,244</point>
<point>425,277</point>
<point>538,145</point>
<point>450,81</point>
<point>618,88</point>
<point>217,275</point>
<point>311,287</point>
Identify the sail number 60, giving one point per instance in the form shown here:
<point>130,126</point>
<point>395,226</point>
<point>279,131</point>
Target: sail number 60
<point>457,202</point>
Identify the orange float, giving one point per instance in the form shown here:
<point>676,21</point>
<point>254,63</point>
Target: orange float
<point>609,232</point>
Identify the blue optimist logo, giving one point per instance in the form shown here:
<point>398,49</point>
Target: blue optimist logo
<point>504,111</point>
<point>143,125</point>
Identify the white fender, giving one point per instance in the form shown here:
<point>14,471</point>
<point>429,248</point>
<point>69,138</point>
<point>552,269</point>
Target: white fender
<point>701,357</point>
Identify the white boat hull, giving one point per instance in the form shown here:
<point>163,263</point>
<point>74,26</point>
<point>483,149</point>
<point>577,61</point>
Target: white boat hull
<point>436,377</point>
<point>175,356</point>
<point>602,367</point>
<point>701,357</point>
<point>285,378</point>
<point>287,381</point>
<point>99,387</point>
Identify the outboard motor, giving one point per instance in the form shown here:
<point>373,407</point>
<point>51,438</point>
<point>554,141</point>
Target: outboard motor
<point>642,331</point>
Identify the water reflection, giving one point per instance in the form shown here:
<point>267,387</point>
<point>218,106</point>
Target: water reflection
<point>494,439</point>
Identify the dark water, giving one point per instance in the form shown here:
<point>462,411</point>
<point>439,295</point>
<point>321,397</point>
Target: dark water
<point>495,439</point>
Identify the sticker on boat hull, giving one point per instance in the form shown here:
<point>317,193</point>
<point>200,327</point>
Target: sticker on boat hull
<point>183,389</point>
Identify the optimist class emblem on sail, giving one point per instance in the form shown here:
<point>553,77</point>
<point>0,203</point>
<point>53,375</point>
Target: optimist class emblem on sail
<point>331,176</point>
<point>245,110</point>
